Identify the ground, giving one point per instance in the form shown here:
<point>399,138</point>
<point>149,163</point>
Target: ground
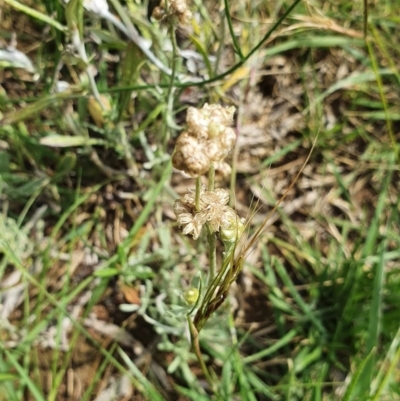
<point>94,267</point>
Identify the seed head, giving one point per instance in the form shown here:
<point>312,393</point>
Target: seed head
<point>190,156</point>
<point>180,9</point>
<point>177,8</point>
<point>213,210</point>
<point>208,139</point>
<point>210,121</point>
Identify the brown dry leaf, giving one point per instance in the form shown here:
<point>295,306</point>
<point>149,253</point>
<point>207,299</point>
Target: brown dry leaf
<point>97,111</point>
<point>131,294</point>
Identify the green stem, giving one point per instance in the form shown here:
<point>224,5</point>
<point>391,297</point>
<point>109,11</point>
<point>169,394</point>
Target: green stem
<point>211,177</point>
<point>212,242</point>
<point>197,194</point>
<point>194,336</point>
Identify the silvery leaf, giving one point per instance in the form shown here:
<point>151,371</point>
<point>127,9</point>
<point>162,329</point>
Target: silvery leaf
<point>10,57</point>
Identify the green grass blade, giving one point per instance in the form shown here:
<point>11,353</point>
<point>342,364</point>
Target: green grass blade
<point>388,368</point>
<point>24,376</point>
<point>148,388</point>
<point>352,388</point>
<point>297,297</point>
<point>36,14</point>
<point>274,348</point>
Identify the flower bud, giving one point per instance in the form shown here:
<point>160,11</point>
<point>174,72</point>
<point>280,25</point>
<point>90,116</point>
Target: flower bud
<point>232,227</point>
<point>191,295</point>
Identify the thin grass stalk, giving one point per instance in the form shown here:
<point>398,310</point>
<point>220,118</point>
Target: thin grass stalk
<point>365,19</point>
<point>379,82</point>
<point>235,42</point>
<point>36,14</point>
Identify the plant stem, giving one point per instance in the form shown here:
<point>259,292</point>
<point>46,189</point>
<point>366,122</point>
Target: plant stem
<point>212,243</point>
<point>194,336</point>
<point>197,194</point>
<point>212,255</point>
<point>211,177</point>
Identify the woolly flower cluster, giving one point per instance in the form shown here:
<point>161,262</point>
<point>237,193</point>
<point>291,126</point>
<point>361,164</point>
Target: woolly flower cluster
<point>213,210</point>
<point>178,8</point>
<point>207,139</point>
